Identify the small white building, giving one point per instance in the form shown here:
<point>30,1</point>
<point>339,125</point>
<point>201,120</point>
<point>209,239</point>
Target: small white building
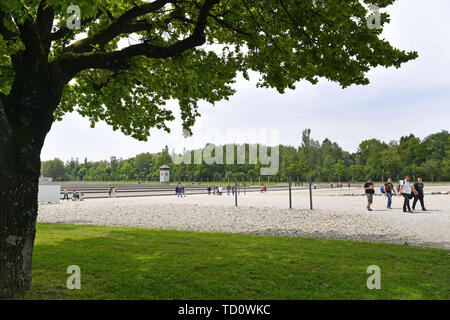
<point>164,174</point>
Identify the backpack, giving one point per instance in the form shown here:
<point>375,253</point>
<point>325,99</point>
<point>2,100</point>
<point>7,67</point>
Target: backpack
<point>382,189</point>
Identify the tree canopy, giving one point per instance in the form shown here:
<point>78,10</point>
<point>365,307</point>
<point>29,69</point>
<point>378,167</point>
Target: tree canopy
<point>130,56</point>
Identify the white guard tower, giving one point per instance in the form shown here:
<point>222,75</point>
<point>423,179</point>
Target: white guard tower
<point>164,174</point>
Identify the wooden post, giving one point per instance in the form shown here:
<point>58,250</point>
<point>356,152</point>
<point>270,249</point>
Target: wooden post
<point>310,194</point>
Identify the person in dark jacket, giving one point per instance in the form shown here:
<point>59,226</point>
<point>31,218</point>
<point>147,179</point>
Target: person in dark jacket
<point>369,189</point>
<point>418,186</point>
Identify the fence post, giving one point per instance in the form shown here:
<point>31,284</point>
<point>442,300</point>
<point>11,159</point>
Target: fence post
<point>235,192</point>
<point>310,194</point>
<point>290,193</point>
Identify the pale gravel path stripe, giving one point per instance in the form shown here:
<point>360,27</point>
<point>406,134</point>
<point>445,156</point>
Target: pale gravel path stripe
<point>334,217</point>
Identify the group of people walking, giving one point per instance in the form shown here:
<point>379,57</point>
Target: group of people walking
<point>217,190</point>
<point>338,185</point>
<point>404,189</point>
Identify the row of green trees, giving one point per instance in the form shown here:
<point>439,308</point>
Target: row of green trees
<point>324,162</point>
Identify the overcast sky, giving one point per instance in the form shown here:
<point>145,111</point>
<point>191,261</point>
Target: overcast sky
<point>413,99</point>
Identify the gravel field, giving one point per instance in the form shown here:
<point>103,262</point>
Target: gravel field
<point>337,214</point>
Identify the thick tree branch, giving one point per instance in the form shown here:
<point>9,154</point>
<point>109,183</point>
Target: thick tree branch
<point>225,24</point>
<point>29,34</point>
<point>63,32</point>
<point>34,52</point>
<point>72,63</point>
<point>44,23</point>
<point>122,25</point>
<point>44,20</point>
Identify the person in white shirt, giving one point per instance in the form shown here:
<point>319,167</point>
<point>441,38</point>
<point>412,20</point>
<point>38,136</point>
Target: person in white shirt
<point>406,190</point>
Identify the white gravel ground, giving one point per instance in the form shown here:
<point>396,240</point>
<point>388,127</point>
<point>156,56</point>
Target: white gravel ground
<point>336,215</point>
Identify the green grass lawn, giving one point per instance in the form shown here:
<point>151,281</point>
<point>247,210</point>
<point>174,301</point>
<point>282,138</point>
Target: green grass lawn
<point>137,263</point>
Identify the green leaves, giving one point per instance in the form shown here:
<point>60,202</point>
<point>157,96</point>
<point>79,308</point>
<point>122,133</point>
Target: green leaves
<point>132,100</point>
<point>284,41</point>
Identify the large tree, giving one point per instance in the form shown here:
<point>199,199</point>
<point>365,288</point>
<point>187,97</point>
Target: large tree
<point>130,56</point>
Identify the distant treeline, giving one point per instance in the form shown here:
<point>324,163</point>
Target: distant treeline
<point>324,162</point>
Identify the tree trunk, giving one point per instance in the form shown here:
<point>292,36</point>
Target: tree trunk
<point>18,213</point>
<point>26,116</point>
<point>19,178</point>
<point>24,123</point>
